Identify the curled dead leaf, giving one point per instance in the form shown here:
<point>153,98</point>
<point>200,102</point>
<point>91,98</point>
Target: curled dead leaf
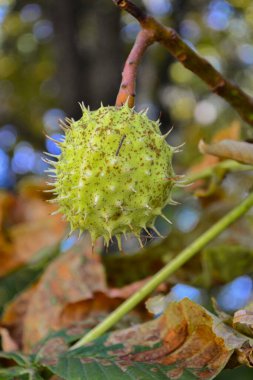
<point>235,150</point>
<point>243,322</point>
<point>244,316</point>
<point>245,355</point>
<point>186,336</point>
<point>207,161</point>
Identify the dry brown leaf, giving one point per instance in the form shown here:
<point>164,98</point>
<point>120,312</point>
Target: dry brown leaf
<point>7,342</point>
<point>7,203</point>
<point>72,289</point>
<point>26,239</point>
<point>243,322</point>
<point>235,150</point>
<point>244,317</point>
<point>25,225</point>
<point>13,316</point>
<point>72,277</point>
<point>213,185</point>
<point>185,335</point>
<point>97,307</point>
<point>101,303</point>
<point>245,355</point>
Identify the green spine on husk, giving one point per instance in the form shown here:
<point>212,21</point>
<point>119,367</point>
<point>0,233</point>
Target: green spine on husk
<point>114,174</point>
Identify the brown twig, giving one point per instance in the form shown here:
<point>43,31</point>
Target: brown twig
<point>229,91</point>
<point>127,88</point>
<point>131,8</point>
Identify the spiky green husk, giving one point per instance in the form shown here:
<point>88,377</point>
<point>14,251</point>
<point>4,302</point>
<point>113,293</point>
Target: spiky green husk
<point>114,173</point>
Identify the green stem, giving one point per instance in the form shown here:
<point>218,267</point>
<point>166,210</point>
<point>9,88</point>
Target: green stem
<point>230,165</point>
<point>164,273</point>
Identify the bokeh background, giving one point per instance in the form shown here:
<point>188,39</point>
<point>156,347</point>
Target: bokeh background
<point>54,54</point>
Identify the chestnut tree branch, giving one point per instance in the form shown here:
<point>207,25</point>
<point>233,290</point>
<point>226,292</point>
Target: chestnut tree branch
<point>127,88</point>
<point>167,37</point>
<point>131,8</point>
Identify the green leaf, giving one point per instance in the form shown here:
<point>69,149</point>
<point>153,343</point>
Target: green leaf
<point>108,368</point>
<point>222,263</point>
<point>101,362</point>
<point>242,373</point>
<point>12,372</point>
<point>25,370</point>
<point>17,357</point>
